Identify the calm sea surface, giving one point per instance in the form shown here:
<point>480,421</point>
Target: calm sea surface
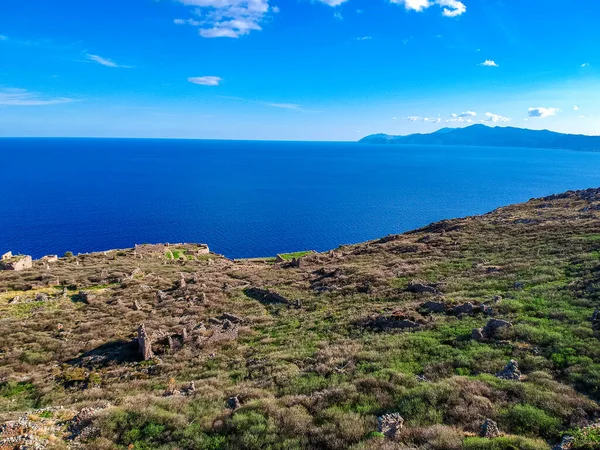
<point>250,199</point>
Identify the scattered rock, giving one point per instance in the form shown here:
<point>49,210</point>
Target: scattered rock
<point>144,343</point>
<point>487,310</point>
<point>493,326</point>
<point>41,297</point>
<point>489,429</point>
<point>417,287</point>
<point>233,403</point>
<point>231,318</point>
<point>390,425</point>
<point>136,306</point>
<point>566,443</point>
<point>434,307</point>
<point>181,283</point>
<point>477,335</point>
<point>510,372</point>
<point>81,426</point>
<point>161,296</point>
<point>518,286</point>
<point>467,309</point>
<point>85,297</point>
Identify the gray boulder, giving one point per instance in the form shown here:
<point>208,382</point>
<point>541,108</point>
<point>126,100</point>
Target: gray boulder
<point>489,429</point>
<point>510,372</point>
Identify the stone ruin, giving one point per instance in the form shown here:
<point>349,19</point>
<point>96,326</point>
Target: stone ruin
<point>49,258</point>
<point>390,425</point>
<point>158,342</point>
<point>16,263</point>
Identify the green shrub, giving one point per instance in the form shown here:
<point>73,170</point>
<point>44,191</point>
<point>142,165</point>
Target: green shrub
<point>529,420</point>
<point>587,439</point>
<point>504,443</point>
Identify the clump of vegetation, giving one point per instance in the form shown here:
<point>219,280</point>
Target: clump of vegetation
<point>306,367</point>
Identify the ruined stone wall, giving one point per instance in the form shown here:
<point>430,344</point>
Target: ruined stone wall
<point>17,263</point>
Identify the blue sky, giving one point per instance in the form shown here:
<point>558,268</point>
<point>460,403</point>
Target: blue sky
<point>295,69</point>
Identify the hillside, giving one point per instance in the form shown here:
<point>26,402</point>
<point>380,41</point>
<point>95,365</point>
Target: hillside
<point>418,330</point>
<point>482,135</point>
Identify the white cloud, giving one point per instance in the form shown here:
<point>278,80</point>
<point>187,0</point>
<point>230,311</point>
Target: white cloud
<point>206,81</point>
<point>228,18</point>
<point>338,16</point>
<point>543,112</point>
<point>105,61</point>
<point>450,8</point>
<point>495,118</point>
<point>333,2</point>
<point>290,106</point>
<point>465,114</point>
<point>3,38</point>
<point>575,108</point>
<point>275,9</point>
<point>364,38</point>
<point>489,63</point>
<point>421,119</point>
<point>585,64</point>
<point>284,105</point>
<point>23,97</point>
<point>192,22</point>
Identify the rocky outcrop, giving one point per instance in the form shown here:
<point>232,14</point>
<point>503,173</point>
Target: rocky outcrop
<point>596,320</point>
<point>566,443</point>
<point>477,335</point>
<point>181,283</point>
<point>491,330</point>
<point>81,426</point>
<point>144,343</point>
<point>510,372</point>
<point>495,325</point>
<point>233,403</point>
<point>86,296</point>
<point>434,307</point>
<point>489,429</point>
<point>467,309</point>
<point>417,287</point>
<point>390,425</point>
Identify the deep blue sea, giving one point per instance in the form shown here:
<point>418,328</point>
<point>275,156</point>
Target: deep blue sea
<point>252,199</point>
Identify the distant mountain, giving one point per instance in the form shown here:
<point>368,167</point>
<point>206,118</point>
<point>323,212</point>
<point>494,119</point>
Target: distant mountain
<point>482,135</point>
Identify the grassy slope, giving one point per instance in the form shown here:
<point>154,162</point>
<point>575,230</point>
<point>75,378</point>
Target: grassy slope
<point>314,377</point>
